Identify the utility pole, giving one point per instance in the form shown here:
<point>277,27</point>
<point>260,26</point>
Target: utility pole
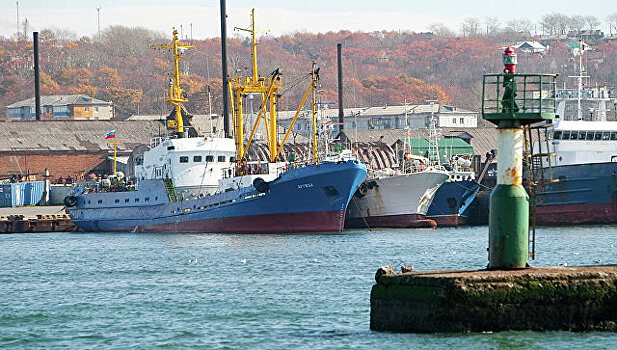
<point>17,4</point>
<point>98,20</point>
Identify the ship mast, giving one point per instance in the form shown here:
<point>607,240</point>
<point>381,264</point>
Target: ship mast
<point>433,142</point>
<point>176,95</point>
<point>580,77</point>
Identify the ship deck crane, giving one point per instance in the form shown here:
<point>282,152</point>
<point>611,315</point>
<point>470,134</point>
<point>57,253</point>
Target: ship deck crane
<point>267,87</point>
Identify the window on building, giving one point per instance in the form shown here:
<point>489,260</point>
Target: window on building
<point>453,120</point>
<point>197,159</point>
<point>87,109</point>
<point>461,120</point>
<point>96,109</point>
<point>209,158</point>
<point>184,159</point>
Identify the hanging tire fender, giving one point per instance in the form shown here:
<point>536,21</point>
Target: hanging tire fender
<point>261,185</point>
<point>70,201</point>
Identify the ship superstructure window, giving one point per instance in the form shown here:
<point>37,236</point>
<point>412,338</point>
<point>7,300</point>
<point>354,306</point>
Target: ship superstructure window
<point>184,159</point>
<point>126,200</point>
<point>116,201</point>
<point>136,200</point>
<point>209,158</point>
<point>232,159</point>
<point>584,135</point>
<point>221,159</point>
<point>197,159</point>
<point>100,201</point>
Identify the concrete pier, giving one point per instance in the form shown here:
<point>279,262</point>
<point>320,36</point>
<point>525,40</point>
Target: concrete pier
<point>35,219</point>
<point>561,298</point>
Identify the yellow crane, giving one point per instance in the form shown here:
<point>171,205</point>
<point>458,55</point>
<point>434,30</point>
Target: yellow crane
<point>240,86</point>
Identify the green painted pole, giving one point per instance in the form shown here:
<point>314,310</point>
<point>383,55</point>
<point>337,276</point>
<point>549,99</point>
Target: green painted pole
<point>509,205</point>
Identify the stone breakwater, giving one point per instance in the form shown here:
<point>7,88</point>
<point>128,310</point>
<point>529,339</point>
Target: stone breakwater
<point>563,298</point>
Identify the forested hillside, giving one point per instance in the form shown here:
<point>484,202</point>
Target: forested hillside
<point>381,68</point>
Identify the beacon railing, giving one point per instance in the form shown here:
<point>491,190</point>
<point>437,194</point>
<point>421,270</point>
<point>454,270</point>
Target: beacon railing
<point>526,98</point>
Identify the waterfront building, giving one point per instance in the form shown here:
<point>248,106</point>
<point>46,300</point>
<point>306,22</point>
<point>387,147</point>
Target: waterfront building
<point>385,117</point>
<point>54,107</point>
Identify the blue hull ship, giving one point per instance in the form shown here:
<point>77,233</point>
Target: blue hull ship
<point>584,194</point>
<point>308,199</point>
<point>451,203</point>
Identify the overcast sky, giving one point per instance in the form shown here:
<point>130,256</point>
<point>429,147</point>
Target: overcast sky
<point>278,16</point>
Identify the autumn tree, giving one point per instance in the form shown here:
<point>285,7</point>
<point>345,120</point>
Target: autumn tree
<point>107,77</point>
<point>612,22</point>
<point>124,100</point>
<point>470,27</point>
<point>48,85</point>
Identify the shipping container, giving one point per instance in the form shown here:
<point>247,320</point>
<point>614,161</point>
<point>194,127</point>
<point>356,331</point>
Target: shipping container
<point>21,193</point>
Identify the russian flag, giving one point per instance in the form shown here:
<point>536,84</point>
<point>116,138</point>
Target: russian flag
<point>111,135</point>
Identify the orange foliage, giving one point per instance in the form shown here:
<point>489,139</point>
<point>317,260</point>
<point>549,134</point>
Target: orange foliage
<point>48,85</point>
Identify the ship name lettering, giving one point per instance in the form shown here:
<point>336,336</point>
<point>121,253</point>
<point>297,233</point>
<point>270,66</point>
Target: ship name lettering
<point>307,185</point>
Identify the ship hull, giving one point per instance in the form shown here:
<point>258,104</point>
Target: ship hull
<point>451,203</point>
<point>395,201</point>
<point>391,221</point>
<point>309,199</point>
<point>584,194</point>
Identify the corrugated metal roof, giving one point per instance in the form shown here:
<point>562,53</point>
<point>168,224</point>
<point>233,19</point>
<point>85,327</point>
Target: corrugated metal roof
<point>74,135</point>
<point>379,111</point>
<point>483,139</point>
<point>60,100</point>
<point>88,135</point>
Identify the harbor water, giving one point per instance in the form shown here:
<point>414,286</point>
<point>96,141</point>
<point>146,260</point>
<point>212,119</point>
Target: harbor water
<point>302,291</point>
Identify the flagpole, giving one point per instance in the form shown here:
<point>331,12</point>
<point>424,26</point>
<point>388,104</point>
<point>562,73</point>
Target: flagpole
<point>115,145</point>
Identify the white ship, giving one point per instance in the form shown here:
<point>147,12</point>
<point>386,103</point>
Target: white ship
<point>395,200</point>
